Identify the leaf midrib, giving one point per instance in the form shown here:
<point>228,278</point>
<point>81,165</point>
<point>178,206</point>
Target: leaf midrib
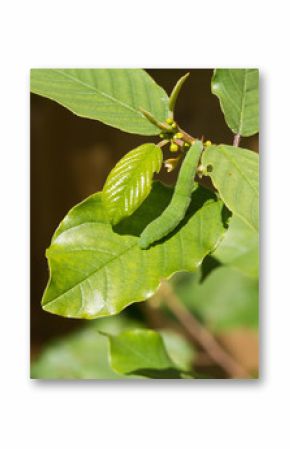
<point>129,248</point>
<point>92,273</point>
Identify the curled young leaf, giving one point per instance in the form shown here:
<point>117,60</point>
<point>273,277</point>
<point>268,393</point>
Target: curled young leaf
<point>175,92</point>
<point>129,183</point>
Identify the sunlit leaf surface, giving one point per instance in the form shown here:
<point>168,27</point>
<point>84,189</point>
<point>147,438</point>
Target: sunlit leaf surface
<point>238,92</point>
<point>97,271</point>
<point>112,96</point>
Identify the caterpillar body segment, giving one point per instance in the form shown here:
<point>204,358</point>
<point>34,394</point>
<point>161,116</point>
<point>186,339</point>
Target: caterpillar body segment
<point>176,210</point>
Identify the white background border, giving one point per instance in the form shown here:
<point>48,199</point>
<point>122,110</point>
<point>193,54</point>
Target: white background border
<point>204,414</point>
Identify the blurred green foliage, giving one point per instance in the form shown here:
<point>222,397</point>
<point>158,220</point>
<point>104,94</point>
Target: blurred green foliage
<point>85,354</point>
<point>226,299</point>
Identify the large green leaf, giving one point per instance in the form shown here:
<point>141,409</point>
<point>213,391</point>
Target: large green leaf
<point>129,183</point>
<point>97,271</point>
<point>238,92</point>
<point>226,299</point>
<point>240,248</point>
<point>112,96</point>
<point>235,174</point>
<point>141,351</point>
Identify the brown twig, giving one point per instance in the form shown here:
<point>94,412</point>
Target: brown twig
<point>236,141</point>
<point>200,334</point>
<point>162,143</point>
<point>186,137</point>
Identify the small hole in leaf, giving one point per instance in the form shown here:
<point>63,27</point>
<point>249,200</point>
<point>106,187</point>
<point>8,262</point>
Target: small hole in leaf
<point>209,168</point>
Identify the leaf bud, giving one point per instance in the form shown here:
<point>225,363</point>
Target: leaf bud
<point>173,147</point>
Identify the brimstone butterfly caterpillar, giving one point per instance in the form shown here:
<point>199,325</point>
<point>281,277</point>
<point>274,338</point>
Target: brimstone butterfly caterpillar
<point>176,210</point>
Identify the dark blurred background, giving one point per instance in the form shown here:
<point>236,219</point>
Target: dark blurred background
<point>71,158</point>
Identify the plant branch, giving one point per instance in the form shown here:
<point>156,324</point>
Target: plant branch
<point>154,121</point>
<point>237,139</point>
<point>186,137</point>
<point>162,143</point>
<point>200,334</point>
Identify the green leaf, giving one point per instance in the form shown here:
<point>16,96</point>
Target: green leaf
<point>235,174</point>
<point>176,90</point>
<point>226,299</point>
<point>97,271</point>
<point>129,183</point>
<point>180,350</point>
<point>238,92</point>
<point>141,351</point>
<point>83,354</point>
<point>112,96</point>
<point>240,248</point>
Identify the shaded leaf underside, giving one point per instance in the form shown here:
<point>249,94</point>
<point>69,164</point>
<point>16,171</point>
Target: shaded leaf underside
<point>226,299</point>
<point>240,248</point>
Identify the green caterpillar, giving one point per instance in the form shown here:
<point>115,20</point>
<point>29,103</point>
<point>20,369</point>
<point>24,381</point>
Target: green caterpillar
<point>176,210</point>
